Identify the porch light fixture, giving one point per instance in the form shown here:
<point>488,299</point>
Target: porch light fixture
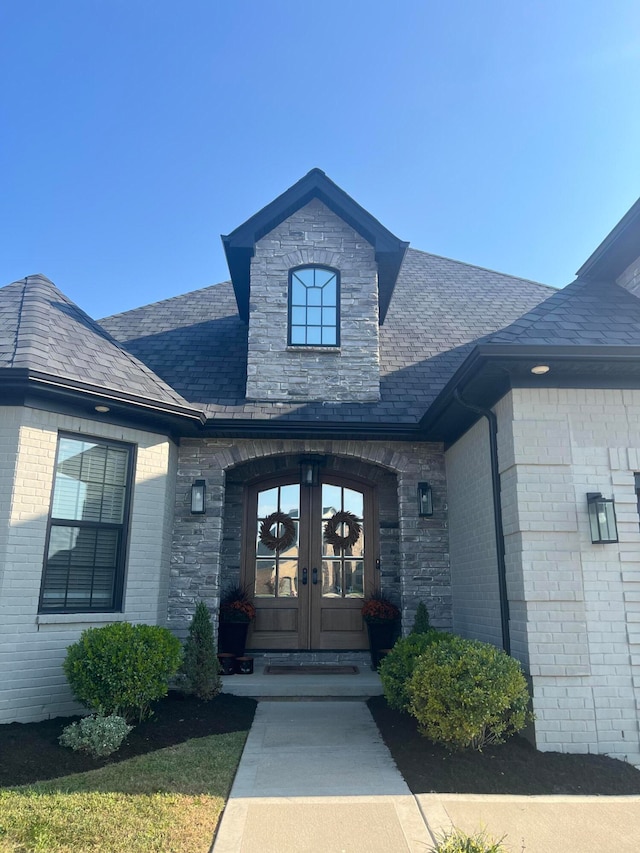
<point>310,472</point>
<point>540,369</point>
<point>425,500</point>
<point>102,409</point>
<point>198,492</point>
<point>602,518</point>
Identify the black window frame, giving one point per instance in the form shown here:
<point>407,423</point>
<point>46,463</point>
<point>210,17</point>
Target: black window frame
<point>124,527</point>
<point>290,306</point>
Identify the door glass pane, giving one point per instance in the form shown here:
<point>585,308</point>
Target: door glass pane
<point>287,578</point>
<point>353,502</point>
<point>342,539</point>
<point>267,502</point>
<point>331,500</point>
<point>265,578</point>
<point>278,542</point>
<point>331,578</point>
<point>354,578</point>
<point>290,500</point>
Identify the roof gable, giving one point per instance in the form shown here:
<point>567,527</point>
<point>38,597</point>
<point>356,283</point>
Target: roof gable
<point>618,250</point>
<point>239,244</point>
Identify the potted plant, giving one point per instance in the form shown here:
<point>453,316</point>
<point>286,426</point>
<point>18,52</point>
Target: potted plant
<point>236,612</point>
<point>383,621</point>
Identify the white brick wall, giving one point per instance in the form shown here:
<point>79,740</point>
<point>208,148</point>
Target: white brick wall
<point>32,647</point>
<point>575,606</point>
<point>472,543</point>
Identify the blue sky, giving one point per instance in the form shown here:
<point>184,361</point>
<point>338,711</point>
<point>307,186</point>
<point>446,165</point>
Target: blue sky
<point>504,134</point>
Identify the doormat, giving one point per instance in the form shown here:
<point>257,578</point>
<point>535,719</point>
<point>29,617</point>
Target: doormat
<point>311,669</point>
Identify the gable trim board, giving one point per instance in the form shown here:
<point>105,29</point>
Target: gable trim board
<point>177,379</point>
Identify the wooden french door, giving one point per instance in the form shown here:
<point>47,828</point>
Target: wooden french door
<point>310,556</point>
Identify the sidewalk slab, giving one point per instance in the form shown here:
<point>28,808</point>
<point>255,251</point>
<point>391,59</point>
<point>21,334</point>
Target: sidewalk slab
<point>316,776</point>
<point>540,824</point>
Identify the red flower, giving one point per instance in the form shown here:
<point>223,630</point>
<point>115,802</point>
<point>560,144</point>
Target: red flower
<point>379,610</point>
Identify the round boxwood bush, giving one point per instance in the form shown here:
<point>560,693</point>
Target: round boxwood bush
<point>465,693</point>
<point>397,667</point>
<point>121,668</point>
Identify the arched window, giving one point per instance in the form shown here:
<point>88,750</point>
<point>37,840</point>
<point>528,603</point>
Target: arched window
<point>314,307</point>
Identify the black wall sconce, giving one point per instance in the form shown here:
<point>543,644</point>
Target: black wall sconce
<point>198,494</point>
<point>425,500</point>
<point>602,518</point>
<point>310,470</point>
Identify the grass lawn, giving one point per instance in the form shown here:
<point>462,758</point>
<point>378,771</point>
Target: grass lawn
<point>160,799</point>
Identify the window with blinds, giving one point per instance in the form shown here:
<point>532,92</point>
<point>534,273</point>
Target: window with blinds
<point>87,533</point>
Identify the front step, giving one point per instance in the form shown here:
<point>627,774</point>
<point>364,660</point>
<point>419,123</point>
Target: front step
<point>319,685</point>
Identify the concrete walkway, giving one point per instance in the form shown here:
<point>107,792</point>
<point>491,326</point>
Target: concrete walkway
<point>315,777</point>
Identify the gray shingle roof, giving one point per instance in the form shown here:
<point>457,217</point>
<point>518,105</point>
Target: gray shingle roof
<point>585,313</point>
<point>41,330</point>
<point>197,343</point>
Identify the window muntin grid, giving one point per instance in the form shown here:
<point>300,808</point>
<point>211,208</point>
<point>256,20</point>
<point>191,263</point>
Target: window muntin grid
<point>313,307</point>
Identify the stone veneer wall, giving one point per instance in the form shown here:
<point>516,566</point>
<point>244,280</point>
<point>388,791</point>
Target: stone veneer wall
<point>32,645</point>
<point>474,564</point>
<point>575,606</point>
<point>630,278</point>
<point>414,554</point>
<point>349,372</point>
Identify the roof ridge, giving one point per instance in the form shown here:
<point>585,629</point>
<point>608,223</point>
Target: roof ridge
<point>18,321</point>
<point>485,269</point>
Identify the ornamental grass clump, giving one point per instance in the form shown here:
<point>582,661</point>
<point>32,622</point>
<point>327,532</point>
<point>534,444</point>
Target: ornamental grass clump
<point>200,662</point>
<point>466,694</point>
<point>99,736</point>
<point>236,606</point>
<point>397,667</point>
<point>457,841</point>
<point>122,668</point>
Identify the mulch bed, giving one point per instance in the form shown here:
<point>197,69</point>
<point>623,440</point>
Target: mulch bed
<point>29,752</point>
<point>514,767</point>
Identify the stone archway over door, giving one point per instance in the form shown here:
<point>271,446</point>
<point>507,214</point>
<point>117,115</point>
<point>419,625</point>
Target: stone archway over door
<point>308,591</point>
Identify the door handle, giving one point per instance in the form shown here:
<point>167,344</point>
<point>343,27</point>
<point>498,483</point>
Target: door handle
<point>315,576</point>
<point>304,577</point>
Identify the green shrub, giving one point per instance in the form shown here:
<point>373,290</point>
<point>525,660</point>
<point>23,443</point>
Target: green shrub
<point>200,661</point>
<point>122,668</point>
<point>459,842</point>
<point>99,736</point>
<point>421,622</point>
<point>465,693</point>
<point>397,667</point>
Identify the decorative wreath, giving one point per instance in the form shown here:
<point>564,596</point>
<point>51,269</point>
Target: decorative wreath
<point>277,543</point>
<point>332,536</point>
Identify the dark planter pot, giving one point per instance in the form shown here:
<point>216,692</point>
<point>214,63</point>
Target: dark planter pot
<point>232,637</point>
<point>382,635</point>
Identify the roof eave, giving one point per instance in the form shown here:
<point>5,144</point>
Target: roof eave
<point>33,379</point>
<point>491,370</point>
